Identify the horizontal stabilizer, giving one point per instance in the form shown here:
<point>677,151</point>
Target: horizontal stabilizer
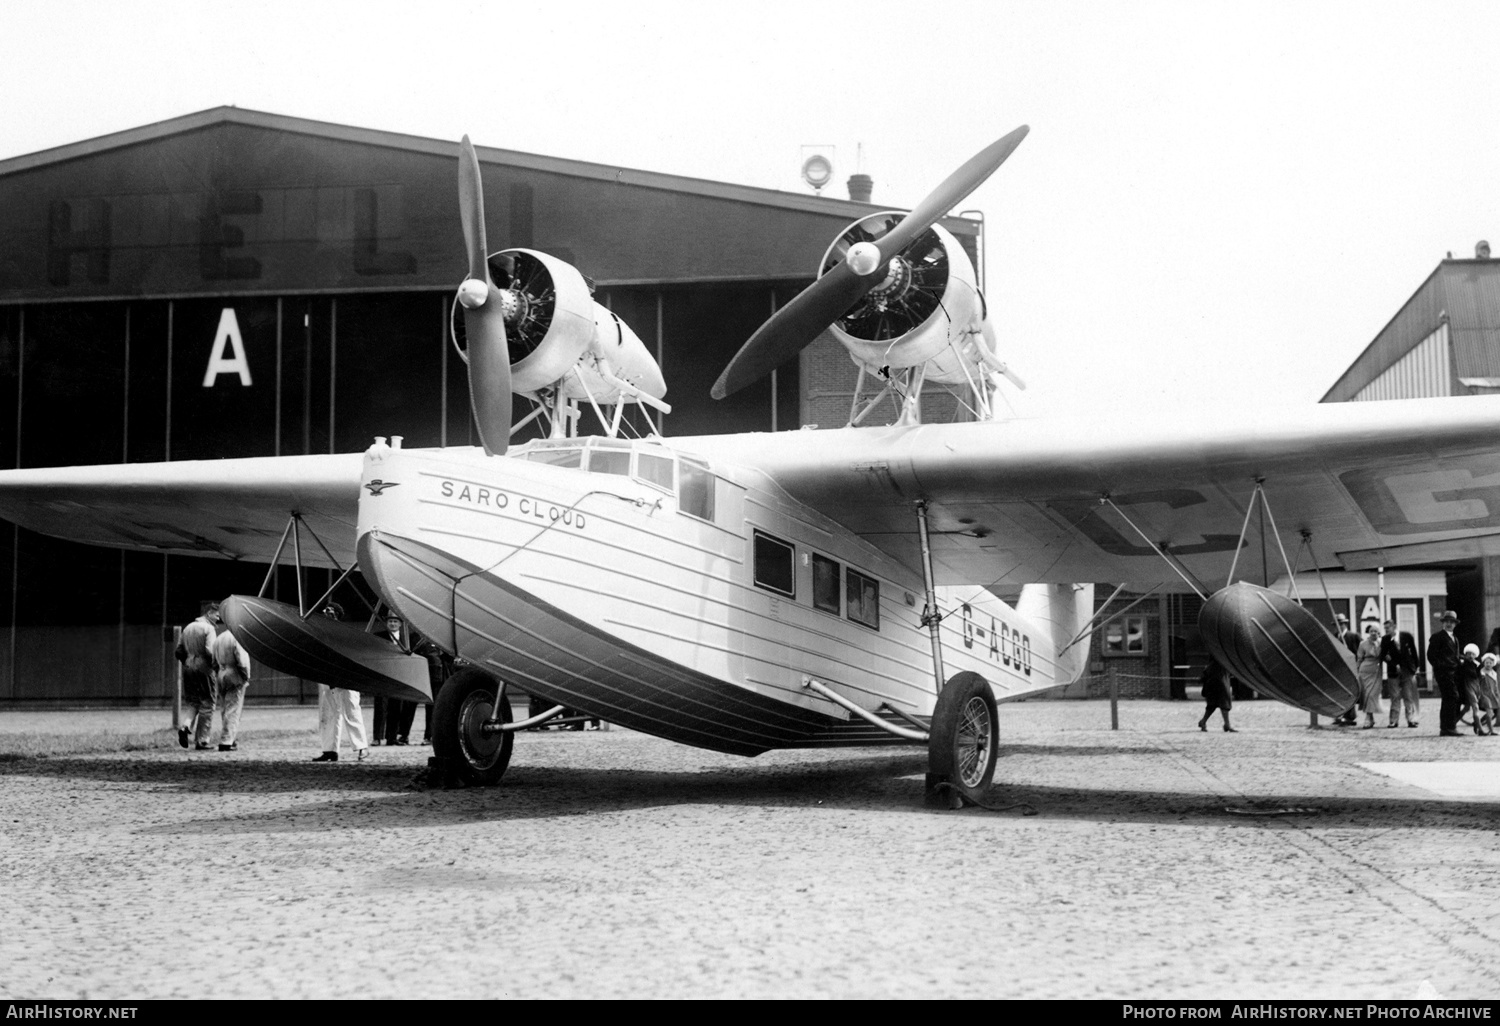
<point>324,650</point>
<point>1279,648</point>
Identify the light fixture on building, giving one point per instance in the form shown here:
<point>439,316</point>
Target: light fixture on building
<point>817,166</point>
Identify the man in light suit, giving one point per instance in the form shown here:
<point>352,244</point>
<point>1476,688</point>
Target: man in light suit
<point>195,653</point>
<point>1402,664</point>
<point>231,677</point>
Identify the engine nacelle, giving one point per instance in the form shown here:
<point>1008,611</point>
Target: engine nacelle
<point>559,338</point>
<point>927,306</point>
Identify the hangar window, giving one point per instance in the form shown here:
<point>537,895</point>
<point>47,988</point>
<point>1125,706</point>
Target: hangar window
<point>557,457</point>
<point>864,599</point>
<point>774,564</point>
<point>654,470</point>
<point>695,489</point>
<point>827,584</point>
<point>610,461</point>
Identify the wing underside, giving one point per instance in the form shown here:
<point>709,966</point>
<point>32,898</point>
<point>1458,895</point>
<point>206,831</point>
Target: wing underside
<point>231,509</point>
<point>1353,486</point>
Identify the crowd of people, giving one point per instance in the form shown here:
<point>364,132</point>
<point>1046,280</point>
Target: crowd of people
<point>1388,667</point>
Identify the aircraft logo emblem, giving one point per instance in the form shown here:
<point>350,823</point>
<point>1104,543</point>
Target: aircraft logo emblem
<point>377,486</point>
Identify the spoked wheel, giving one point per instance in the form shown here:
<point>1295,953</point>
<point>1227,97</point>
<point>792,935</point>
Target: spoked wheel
<point>465,703</point>
<point>964,738</point>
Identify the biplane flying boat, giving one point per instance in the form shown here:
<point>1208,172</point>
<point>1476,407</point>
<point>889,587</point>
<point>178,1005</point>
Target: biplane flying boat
<point>798,589</point>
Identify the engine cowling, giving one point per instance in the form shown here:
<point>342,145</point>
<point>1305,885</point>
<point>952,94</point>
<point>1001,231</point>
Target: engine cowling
<point>554,328</point>
<point>927,304</point>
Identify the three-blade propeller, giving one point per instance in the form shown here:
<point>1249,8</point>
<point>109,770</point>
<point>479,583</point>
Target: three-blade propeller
<point>484,318</point>
<point>792,328</point>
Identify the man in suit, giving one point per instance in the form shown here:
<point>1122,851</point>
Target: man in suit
<point>1402,664</point>
<point>399,713</point>
<point>1443,653</point>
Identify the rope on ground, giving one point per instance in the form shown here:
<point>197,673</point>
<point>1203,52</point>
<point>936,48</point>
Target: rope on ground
<point>1027,809</point>
<point>1288,810</point>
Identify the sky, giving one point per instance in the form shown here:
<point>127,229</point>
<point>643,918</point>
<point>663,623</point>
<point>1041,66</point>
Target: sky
<point>1218,202</point>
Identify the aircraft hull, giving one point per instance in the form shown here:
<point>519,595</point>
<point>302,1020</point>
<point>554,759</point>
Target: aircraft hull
<point>563,659</point>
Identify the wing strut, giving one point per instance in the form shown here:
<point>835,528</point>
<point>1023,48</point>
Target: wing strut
<point>1105,500</point>
<point>294,527</point>
<point>1265,506</point>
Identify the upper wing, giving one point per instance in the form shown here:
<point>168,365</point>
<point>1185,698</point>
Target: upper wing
<point>1373,484</point>
<point>235,509</point>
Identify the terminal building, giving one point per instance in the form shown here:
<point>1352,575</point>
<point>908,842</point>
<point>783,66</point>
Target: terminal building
<point>233,283</point>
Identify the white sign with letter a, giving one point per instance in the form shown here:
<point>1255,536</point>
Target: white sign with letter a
<point>227,334</point>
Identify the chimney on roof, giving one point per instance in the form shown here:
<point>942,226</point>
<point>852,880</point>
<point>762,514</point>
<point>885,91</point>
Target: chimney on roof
<point>1481,250</point>
<point>860,188</point>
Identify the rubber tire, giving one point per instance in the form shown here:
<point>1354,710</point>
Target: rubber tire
<point>463,705</point>
<point>951,740</point>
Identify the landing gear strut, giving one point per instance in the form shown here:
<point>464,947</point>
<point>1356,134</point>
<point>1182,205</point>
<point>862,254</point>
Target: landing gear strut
<point>467,751</point>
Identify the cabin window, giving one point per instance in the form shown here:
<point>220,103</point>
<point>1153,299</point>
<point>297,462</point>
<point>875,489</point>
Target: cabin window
<point>557,457</point>
<point>864,599</point>
<point>610,461</point>
<point>695,489</point>
<point>827,584</point>
<point>654,470</point>
<point>773,564</point>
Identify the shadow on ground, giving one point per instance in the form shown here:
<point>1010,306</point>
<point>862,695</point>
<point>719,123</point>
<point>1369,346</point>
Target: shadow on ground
<point>368,796</point>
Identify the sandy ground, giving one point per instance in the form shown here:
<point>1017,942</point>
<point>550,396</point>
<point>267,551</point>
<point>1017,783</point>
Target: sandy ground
<point>613,864</point>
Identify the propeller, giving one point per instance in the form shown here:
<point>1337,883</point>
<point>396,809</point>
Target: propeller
<point>484,315</point>
<point>792,328</point>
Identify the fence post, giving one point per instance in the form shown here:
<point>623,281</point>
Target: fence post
<point>176,682</point>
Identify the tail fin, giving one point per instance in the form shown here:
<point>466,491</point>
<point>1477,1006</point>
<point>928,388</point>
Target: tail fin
<point>1064,608</point>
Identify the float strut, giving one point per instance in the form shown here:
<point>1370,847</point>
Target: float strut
<point>931,618</point>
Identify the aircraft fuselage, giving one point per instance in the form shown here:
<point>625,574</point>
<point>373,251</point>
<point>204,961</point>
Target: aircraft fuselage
<point>672,594</point>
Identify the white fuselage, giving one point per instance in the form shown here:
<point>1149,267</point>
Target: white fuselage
<point>676,596</point>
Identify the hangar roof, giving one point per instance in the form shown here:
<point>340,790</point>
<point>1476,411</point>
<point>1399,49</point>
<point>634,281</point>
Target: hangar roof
<point>233,201</point>
<point>1467,293</point>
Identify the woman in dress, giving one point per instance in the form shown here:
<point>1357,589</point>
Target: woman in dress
<point>1367,665</point>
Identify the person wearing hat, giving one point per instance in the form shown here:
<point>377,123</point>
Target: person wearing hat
<point>1489,690</point>
<point>1444,655</point>
<point>1351,641</point>
<point>1470,687</point>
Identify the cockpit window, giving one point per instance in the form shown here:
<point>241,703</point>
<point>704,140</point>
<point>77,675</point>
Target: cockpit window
<point>557,457</point>
<point>656,470</point>
<point>610,461</point>
<point>695,489</point>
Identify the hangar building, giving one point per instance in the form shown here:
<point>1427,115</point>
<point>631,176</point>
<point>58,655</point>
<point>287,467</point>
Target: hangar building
<point>234,283</point>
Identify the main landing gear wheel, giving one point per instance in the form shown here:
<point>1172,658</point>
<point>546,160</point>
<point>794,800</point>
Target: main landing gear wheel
<point>465,703</point>
<point>964,739</point>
